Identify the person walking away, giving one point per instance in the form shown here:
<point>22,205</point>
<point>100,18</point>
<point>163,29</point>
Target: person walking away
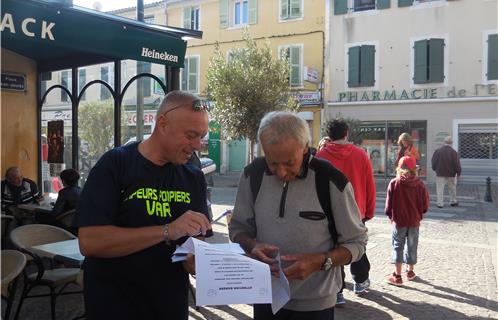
<point>446,163</point>
<point>286,215</point>
<point>406,148</point>
<point>355,164</point>
<point>407,200</point>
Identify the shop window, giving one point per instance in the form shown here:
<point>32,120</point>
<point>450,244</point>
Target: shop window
<point>191,18</point>
<point>361,66</point>
<point>429,61</point>
<point>294,54</point>
<point>189,76</point>
<point>373,139</point>
<point>291,9</point>
<point>418,131</point>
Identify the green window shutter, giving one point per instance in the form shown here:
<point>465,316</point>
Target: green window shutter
<point>383,4</point>
<point>184,75</point>
<point>340,7</point>
<point>436,60</point>
<point>405,3</point>
<point>193,74</point>
<point>295,8</point>
<point>295,67</point>
<point>367,66</point>
<point>421,62</point>
<point>354,66</point>
<point>223,14</point>
<point>492,57</point>
<point>284,9</point>
<point>253,11</point>
<point>187,18</point>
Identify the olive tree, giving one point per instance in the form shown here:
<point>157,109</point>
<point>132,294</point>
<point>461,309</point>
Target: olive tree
<point>245,85</point>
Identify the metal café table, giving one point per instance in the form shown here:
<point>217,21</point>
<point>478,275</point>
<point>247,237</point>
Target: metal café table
<point>67,251</point>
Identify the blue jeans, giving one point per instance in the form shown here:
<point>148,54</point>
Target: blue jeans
<point>400,236</point>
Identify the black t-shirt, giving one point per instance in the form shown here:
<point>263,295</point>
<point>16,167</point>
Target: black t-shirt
<point>127,190</point>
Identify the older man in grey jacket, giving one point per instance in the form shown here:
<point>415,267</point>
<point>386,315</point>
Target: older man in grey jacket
<point>287,217</point>
<point>446,163</point>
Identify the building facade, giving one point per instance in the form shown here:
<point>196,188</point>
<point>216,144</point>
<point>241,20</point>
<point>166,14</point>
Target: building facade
<point>425,67</point>
<point>296,26</point>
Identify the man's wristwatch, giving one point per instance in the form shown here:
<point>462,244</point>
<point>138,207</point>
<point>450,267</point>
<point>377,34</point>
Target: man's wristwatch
<point>327,264</point>
<point>166,234</point>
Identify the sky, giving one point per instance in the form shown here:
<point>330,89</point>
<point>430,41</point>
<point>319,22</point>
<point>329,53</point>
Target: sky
<point>108,5</point>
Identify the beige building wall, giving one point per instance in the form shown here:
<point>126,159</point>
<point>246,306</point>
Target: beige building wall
<point>18,116</point>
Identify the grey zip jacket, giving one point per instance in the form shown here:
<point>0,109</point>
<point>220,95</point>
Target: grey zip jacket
<point>288,216</point>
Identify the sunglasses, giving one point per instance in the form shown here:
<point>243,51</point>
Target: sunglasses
<point>197,105</point>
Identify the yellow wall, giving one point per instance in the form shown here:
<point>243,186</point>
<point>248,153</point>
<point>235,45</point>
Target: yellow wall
<point>18,118</point>
<point>307,31</point>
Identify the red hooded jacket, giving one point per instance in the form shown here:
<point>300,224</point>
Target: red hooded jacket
<point>407,200</point>
<point>355,164</point>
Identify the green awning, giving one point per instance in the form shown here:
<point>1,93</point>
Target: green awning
<point>59,36</point>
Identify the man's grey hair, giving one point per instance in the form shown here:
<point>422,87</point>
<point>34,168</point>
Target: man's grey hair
<point>173,99</point>
<point>448,140</point>
<point>278,126</point>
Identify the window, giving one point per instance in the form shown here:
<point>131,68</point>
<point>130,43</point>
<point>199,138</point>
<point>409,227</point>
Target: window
<point>237,12</point>
<point>429,61</point>
<point>361,66</point>
<point>106,75</point>
<point>362,5</point>
<point>492,70</point>
<point>191,18</point>
<point>290,9</point>
<point>240,12</point>
<point>149,19</point>
<point>189,77</point>
<point>66,83</point>
<point>82,82</point>
<point>293,54</point>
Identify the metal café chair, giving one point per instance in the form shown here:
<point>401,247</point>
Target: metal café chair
<point>13,262</point>
<point>56,279</point>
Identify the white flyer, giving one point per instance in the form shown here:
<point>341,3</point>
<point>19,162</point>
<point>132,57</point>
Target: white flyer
<point>226,277</point>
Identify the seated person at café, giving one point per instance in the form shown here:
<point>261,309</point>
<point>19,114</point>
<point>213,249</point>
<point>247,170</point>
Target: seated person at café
<point>18,190</point>
<point>66,200</point>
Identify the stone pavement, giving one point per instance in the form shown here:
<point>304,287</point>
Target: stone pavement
<point>457,271</point>
<point>457,265</point>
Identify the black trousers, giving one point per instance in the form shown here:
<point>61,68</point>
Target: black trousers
<point>263,312</point>
<point>359,270</point>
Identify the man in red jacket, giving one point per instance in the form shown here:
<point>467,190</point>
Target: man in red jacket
<point>355,164</point>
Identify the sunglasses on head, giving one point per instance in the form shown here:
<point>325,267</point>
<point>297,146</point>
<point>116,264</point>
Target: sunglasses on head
<point>197,105</point>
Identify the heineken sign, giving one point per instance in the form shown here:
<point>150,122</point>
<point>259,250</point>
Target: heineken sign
<point>478,90</point>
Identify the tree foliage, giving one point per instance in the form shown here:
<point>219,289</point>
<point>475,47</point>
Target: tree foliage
<point>96,126</point>
<point>245,86</point>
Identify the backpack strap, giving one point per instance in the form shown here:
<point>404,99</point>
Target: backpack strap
<point>255,172</point>
<point>324,174</point>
